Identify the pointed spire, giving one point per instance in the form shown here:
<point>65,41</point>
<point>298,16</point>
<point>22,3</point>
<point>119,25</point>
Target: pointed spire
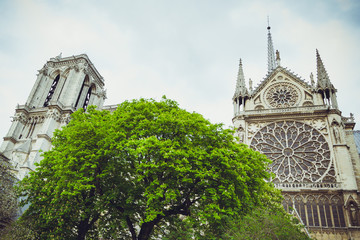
<point>271,55</point>
<point>323,80</point>
<point>240,90</point>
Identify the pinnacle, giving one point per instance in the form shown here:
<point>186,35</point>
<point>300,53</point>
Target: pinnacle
<point>240,89</point>
<point>323,80</point>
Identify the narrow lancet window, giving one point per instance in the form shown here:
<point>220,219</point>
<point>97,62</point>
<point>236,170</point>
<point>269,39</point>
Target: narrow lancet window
<point>78,98</point>
<point>87,99</point>
<point>52,90</point>
<point>85,83</point>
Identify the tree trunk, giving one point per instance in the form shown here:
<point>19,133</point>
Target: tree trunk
<point>146,229</point>
<point>83,229</point>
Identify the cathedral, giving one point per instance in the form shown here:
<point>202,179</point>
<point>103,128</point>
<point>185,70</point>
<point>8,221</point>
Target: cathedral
<point>313,148</point>
<point>297,124</point>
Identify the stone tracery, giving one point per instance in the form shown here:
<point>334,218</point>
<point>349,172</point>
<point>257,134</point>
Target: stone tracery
<point>282,95</point>
<point>299,152</point>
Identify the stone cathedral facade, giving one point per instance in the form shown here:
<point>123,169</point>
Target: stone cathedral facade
<point>299,126</point>
<point>296,124</point>
<point>62,86</point>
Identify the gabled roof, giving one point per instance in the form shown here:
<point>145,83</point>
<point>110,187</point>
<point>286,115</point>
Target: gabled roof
<point>285,71</point>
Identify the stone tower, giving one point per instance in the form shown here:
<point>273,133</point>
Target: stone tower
<point>62,86</point>
<point>299,126</point>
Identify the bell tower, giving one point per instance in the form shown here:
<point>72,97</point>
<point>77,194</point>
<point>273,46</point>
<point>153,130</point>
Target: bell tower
<point>62,86</point>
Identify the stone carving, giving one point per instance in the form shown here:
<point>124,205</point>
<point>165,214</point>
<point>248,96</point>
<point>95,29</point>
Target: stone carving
<point>21,117</point>
<point>44,70</point>
<point>253,128</point>
<point>317,123</point>
<point>58,57</point>
<point>323,199</point>
<point>313,198</point>
<point>312,80</point>
<point>336,131</point>
<point>336,134</point>
<point>102,93</point>
<point>335,200</point>
<point>354,214</point>
<point>250,85</point>
<point>75,67</point>
<point>282,95</point>
<point>65,118</point>
<point>299,152</point>
<point>36,119</point>
<point>241,134</point>
<point>52,113</point>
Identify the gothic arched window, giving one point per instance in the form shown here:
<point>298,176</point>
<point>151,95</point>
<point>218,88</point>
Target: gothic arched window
<point>87,98</point>
<point>299,152</point>
<point>85,82</point>
<point>52,90</point>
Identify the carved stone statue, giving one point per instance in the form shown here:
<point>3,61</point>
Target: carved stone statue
<point>277,55</point>
<point>352,117</point>
<point>353,212</point>
<point>241,134</point>
<point>337,134</point>
<point>312,80</point>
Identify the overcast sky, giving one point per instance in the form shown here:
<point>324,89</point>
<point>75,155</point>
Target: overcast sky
<point>187,50</point>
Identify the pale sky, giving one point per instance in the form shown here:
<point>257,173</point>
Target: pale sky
<point>187,50</point>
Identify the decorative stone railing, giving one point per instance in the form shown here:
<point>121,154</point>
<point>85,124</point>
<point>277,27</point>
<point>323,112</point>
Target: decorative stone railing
<point>284,110</point>
<point>307,185</point>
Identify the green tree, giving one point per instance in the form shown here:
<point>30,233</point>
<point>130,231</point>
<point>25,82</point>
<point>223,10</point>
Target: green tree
<point>8,202</point>
<point>265,224</point>
<point>135,172</point>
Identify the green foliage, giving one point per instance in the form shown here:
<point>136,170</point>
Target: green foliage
<point>18,230</point>
<point>133,172</point>
<point>265,224</point>
<point>8,203</point>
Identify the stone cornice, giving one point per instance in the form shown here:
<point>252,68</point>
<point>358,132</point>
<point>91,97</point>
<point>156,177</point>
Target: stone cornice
<point>62,109</point>
<point>73,60</point>
<point>277,113</point>
<point>63,112</point>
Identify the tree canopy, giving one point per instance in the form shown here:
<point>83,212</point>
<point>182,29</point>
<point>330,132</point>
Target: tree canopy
<point>139,170</point>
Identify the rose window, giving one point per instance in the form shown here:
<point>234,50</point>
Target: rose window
<point>299,152</point>
<point>282,95</point>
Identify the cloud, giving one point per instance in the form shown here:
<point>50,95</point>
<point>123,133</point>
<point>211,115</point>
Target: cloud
<point>186,50</point>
